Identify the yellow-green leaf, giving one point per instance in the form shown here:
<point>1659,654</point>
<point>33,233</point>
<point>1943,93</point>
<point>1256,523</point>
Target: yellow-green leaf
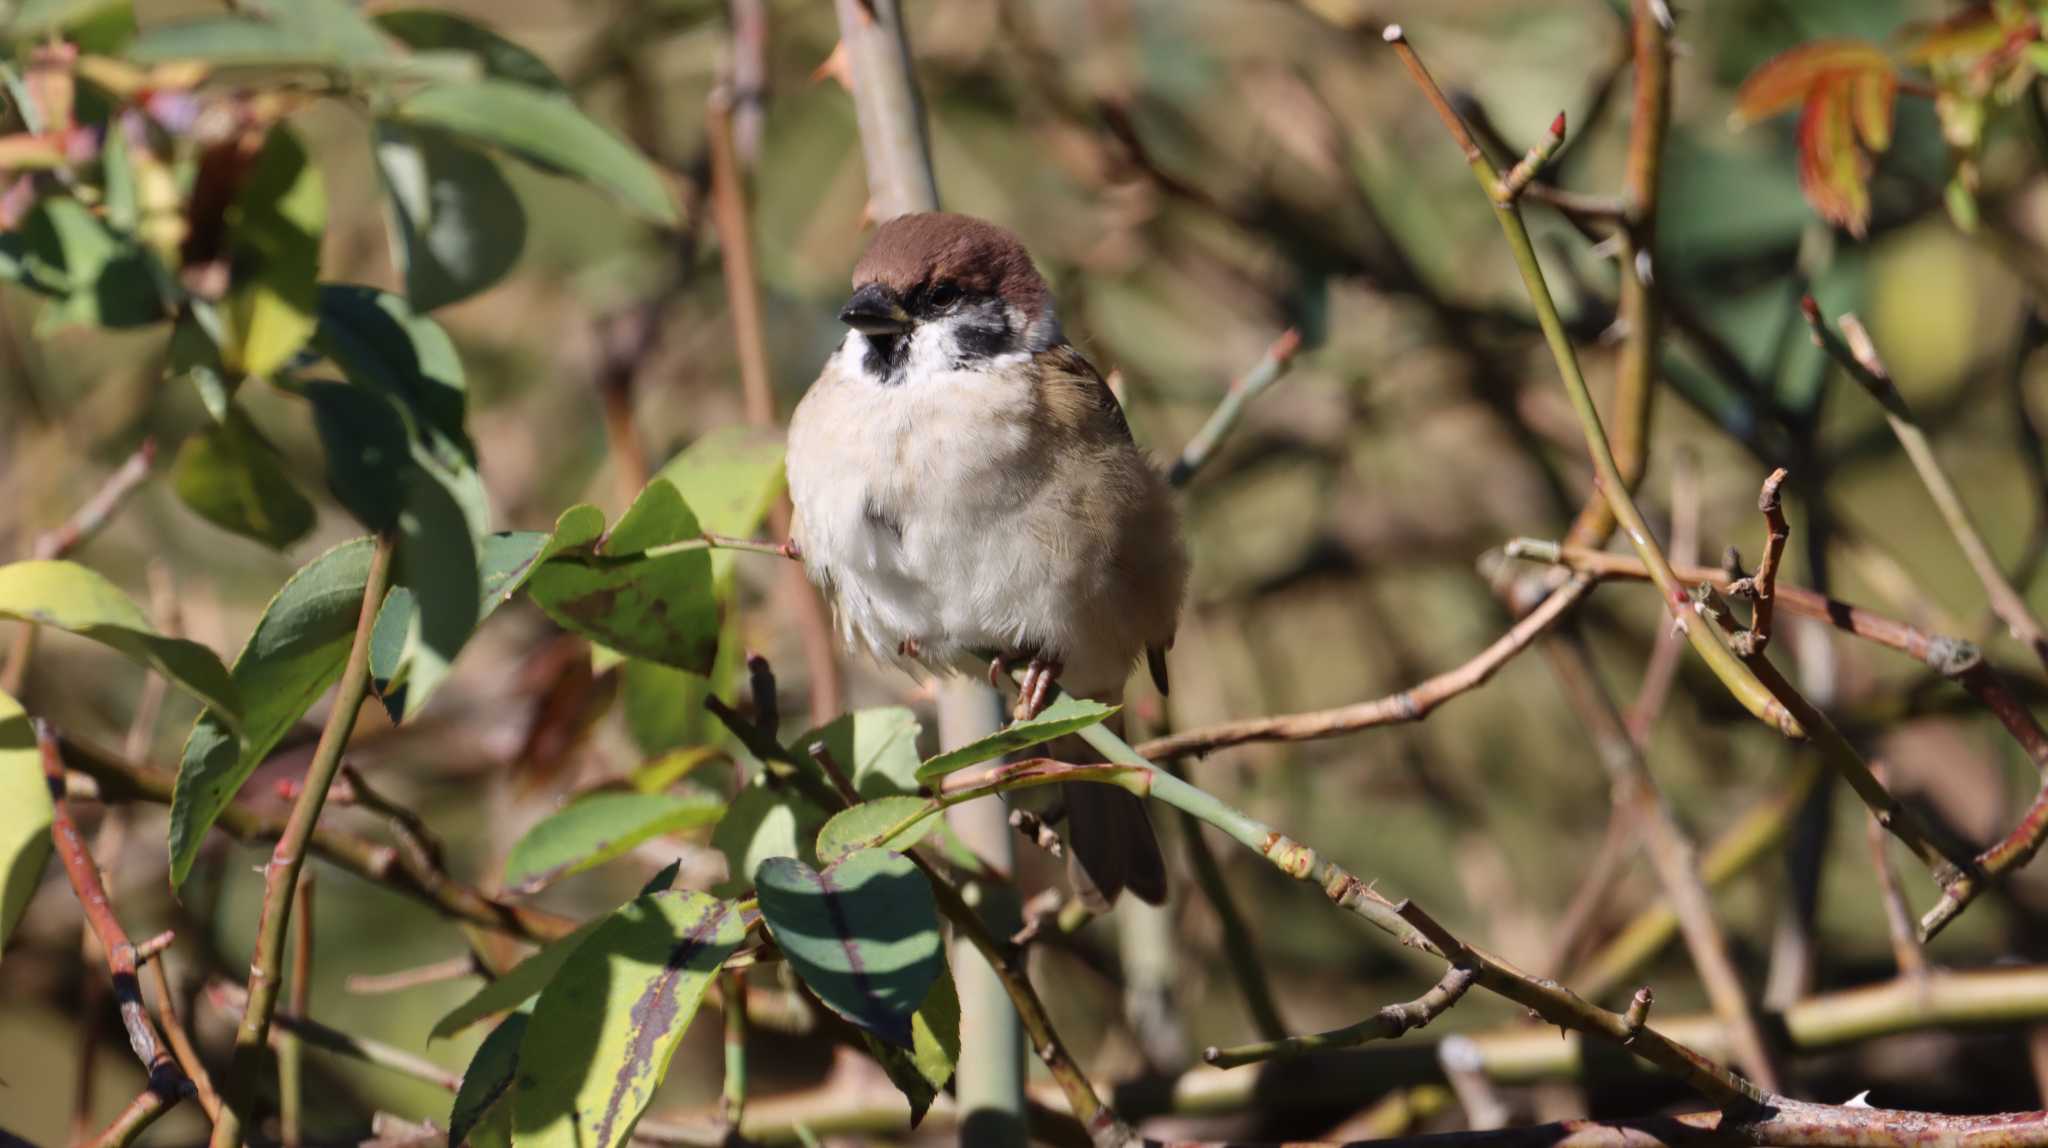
<point>71,597</point>
<point>24,815</point>
<point>274,232</point>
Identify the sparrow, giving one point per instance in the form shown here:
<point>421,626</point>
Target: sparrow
<point>967,494</point>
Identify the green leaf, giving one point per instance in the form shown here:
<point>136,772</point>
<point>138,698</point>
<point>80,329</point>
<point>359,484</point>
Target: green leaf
<point>71,597</point>
<point>436,564</point>
<point>731,478</point>
<point>456,225</point>
<point>863,934</point>
<point>24,816</point>
<point>488,1078</point>
<point>544,129</point>
<point>934,1048</point>
<point>432,30</point>
<point>1065,715</point>
<point>295,653</point>
<point>232,477</point>
<point>657,775</point>
<point>36,18</point>
<point>99,278</point>
<point>368,451</point>
<point>878,747</point>
<point>598,828</point>
<point>519,985</point>
<point>603,1032</point>
<point>762,823</point>
<point>861,826</point>
<point>275,227</point>
<point>382,344</point>
<point>271,34</point>
<point>504,562</point>
<point>660,608</point>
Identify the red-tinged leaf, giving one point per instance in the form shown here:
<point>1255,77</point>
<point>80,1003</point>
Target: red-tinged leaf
<point>1968,35</point>
<point>1788,79</point>
<point>1833,171</point>
<point>1870,105</point>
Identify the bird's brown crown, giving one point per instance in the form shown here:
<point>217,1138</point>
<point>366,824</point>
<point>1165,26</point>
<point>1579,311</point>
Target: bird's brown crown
<point>912,252</point>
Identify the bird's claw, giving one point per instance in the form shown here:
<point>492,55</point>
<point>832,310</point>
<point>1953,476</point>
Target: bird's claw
<point>1035,691</point>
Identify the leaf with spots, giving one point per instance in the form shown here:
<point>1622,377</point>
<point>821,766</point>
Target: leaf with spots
<point>863,934</point>
<point>605,1027</point>
<point>906,819</point>
<point>635,595</point>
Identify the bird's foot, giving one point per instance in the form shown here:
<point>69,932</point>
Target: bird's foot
<point>910,648</point>
<point>1035,691</point>
<point>998,669</point>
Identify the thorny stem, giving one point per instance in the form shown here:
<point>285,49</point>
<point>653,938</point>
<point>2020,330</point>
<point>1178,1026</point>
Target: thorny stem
<point>1548,999</point>
<point>1386,1024</point>
<point>1858,356</point>
<point>280,876</point>
<point>1509,187</point>
<point>1738,678</point>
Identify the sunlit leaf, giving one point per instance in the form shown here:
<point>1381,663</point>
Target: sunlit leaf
<point>660,607</point>
<point>547,130</point>
<point>295,653</point>
<point>1870,95</point>
<point>274,228</point>
<point>67,596</point>
<point>24,816</point>
<point>861,826</point>
<point>876,747</point>
<point>763,823</point>
<point>230,475</point>
<point>731,477</point>
<point>1833,172</point>
<point>863,934</point>
<point>282,34</point>
<point>97,277</point>
<point>518,986</point>
<point>1065,715</point>
<point>598,828</point>
<point>1965,37</point>
<point>922,1071</point>
<point>604,1029</point>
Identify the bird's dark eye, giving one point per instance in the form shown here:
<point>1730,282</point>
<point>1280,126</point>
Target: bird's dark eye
<point>943,295</point>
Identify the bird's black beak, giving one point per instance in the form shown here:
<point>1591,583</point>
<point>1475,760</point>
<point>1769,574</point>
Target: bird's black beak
<point>873,310</point>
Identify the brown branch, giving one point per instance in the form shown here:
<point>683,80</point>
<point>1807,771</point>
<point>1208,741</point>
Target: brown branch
<point>1858,355</point>
<point>1898,918</point>
<point>1412,704</point>
<point>1673,855</point>
<point>181,1040</point>
<point>1761,588</point>
<point>134,1120</point>
<point>119,779</point>
<point>1787,1123</point>
<point>85,522</point>
<point>288,859</point>
<point>1387,1023</point>
<point>377,984</point>
<point>166,1080</point>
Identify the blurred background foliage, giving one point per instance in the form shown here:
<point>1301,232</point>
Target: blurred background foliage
<point>1194,176</point>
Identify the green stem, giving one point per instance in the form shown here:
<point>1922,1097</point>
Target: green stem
<point>281,875</point>
<point>1238,943</point>
<point>1270,368</point>
<point>732,1104</point>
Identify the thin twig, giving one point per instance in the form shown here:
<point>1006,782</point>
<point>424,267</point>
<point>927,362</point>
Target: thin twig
<point>1509,187</point>
<point>181,1040</point>
<point>1412,704</point>
<point>1662,669</point>
<point>377,984</point>
<point>1386,1024</point>
<point>1761,588</point>
<point>1898,918</point>
<point>164,1075</point>
<point>1858,356</point>
<point>732,1100</point>
<point>232,999</point>
<point>1673,855</point>
<point>85,522</point>
<point>1269,370</point>
<point>1740,680</point>
<point>291,1061</point>
<point>134,1120</point>
<point>1240,945</point>
<point>280,876</point>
